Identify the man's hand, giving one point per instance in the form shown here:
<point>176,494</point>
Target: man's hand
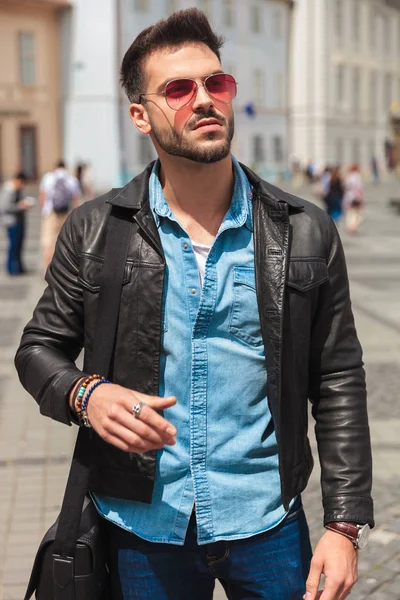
<point>110,414</point>
<point>335,557</point>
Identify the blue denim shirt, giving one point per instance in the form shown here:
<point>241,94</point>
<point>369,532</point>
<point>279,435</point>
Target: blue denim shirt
<point>225,461</point>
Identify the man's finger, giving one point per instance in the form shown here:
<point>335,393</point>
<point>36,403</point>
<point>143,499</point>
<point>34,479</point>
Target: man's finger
<point>149,416</point>
<point>128,441</point>
<point>156,402</point>
<point>313,580</point>
<point>333,589</point>
<point>144,431</point>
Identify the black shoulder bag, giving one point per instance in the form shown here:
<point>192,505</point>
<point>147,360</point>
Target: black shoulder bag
<point>70,563</point>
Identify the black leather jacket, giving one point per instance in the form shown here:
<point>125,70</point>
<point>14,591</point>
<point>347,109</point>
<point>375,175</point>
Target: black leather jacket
<point>311,347</point>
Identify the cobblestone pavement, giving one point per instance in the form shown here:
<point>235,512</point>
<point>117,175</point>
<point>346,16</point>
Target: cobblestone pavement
<point>35,452</point>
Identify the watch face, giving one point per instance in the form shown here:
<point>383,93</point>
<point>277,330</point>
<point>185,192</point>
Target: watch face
<point>363,536</point>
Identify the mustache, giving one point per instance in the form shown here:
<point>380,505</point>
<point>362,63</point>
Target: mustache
<point>210,114</point>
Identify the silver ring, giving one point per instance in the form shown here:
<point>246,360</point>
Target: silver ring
<point>137,409</point>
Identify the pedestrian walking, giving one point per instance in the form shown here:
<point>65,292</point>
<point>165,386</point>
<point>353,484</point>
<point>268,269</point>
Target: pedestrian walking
<point>59,193</point>
<point>334,195</point>
<point>353,199</point>
<point>13,205</point>
<point>234,311</point>
<point>84,175</point>
<point>375,170</point>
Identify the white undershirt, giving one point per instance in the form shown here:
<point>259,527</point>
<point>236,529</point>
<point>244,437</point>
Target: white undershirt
<point>201,252</point>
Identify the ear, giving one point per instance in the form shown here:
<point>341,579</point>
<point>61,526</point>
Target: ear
<point>140,118</point>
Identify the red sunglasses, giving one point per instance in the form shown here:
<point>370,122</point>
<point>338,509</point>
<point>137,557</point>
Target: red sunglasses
<point>180,92</point>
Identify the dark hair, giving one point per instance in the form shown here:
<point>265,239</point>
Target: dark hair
<point>60,164</point>
<point>21,176</point>
<point>183,26</point>
<point>336,176</point>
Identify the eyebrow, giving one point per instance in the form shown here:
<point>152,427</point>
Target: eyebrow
<point>162,85</point>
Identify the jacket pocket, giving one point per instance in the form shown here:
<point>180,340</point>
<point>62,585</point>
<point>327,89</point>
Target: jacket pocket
<point>305,276</point>
<point>90,271</point>
<point>245,319</point>
<point>307,273</point>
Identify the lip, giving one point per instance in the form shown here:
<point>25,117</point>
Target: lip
<point>211,124</point>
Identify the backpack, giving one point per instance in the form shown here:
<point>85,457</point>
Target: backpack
<point>61,196</point>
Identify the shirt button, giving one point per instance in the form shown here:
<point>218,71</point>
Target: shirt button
<point>193,291</point>
<point>186,246</point>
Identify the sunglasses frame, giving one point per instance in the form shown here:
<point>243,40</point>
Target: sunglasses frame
<point>202,84</point>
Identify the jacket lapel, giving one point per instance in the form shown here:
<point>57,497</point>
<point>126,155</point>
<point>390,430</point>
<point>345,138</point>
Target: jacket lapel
<point>271,244</point>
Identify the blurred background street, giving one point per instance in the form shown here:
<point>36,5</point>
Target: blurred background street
<point>318,88</point>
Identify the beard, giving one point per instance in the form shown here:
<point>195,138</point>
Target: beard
<point>177,145</point>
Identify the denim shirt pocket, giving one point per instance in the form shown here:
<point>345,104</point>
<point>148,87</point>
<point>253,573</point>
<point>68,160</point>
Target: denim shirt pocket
<point>245,319</point>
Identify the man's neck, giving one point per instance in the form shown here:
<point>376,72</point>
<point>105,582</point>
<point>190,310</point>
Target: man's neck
<point>198,194</point>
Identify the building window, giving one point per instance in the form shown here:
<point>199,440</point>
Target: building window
<point>387,92</point>
<point>27,58</point>
<point>372,94</point>
<point>258,148</point>
<point>277,144</point>
<point>386,33</point>
<point>339,85</point>
<point>256,19</point>
<point>339,149</point>
<point>398,36</point>
<point>356,23</point>
<point>339,20</point>
<point>258,86</point>
<point>356,89</point>
<point>356,152</point>
<point>142,5</point>
<point>172,6</point>
<point>373,27</point>
<point>28,155</point>
<point>145,150</point>
<point>277,24</point>
<point>228,16</point>
<point>279,90</point>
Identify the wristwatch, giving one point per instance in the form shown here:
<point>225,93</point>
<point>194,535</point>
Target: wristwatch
<point>358,534</point>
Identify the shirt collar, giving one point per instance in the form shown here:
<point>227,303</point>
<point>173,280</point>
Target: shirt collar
<point>240,210</point>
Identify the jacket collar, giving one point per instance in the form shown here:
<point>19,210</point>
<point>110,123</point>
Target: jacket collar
<point>135,194</point>
<point>269,192</point>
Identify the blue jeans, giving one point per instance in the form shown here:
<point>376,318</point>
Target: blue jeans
<point>15,241</point>
<point>272,565</point>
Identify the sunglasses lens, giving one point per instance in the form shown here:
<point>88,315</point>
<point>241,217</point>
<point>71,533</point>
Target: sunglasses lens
<point>222,87</point>
<point>178,93</point>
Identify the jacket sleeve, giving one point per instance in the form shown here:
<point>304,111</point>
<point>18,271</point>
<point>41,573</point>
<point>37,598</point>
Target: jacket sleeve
<point>338,395</point>
<point>53,339</point>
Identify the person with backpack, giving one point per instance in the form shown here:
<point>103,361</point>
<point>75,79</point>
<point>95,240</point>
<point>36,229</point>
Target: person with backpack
<point>59,194</point>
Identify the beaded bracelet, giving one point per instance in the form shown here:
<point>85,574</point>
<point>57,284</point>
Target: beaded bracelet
<point>77,403</point>
<point>83,414</point>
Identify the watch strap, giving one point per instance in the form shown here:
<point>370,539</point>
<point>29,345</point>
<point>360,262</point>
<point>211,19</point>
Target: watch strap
<point>349,530</point>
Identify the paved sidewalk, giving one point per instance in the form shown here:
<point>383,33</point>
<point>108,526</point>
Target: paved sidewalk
<point>35,452</point>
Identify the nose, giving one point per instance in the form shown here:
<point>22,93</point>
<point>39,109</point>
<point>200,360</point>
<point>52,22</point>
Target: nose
<point>201,99</point>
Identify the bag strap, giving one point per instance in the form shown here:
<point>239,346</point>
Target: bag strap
<point>118,236</point>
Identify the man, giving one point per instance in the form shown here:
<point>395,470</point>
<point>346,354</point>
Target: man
<point>59,193</point>
<point>12,209</point>
<point>235,309</point>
